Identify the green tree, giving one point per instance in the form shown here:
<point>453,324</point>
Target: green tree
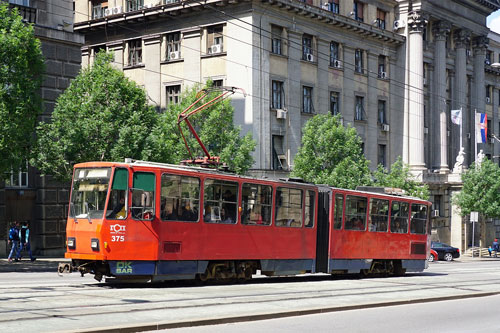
<point>400,177</point>
<point>21,68</point>
<point>102,116</point>
<point>481,190</point>
<point>215,128</point>
<point>331,154</point>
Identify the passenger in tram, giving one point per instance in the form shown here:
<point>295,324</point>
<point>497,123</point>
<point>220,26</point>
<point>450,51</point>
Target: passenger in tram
<point>207,217</point>
<point>397,227</point>
<point>358,224</point>
<point>188,214</point>
<point>224,217</point>
<point>119,210</point>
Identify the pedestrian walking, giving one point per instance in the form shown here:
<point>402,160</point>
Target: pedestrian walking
<point>14,240</point>
<point>495,246</point>
<point>24,235</point>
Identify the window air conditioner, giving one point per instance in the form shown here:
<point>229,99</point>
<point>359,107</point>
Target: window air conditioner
<point>216,48</point>
<point>337,63</point>
<point>170,1</point>
<point>148,5</point>
<point>488,100</point>
<point>174,55</point>
<point>117,10</point>
<point>398,24</point>
<point>309,57</point>
<point>280,114</point>
<point>425,81</point>
<point>435,213</point>
<point>385,127</point>
<point>108,11</point>
<point>492,140</point>
<point>426,130</point>
<point>383,75</point>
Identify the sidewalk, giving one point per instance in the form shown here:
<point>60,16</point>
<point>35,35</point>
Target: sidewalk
<point>42,264</point>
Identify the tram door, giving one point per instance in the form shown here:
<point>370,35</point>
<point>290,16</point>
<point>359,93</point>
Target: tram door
<point>323,230</point>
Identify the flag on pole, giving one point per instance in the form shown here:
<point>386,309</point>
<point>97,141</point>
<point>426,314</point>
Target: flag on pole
<point>481,127</point>
<point>456,116</point>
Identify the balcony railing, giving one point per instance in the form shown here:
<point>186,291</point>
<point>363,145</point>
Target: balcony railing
<point>27,13</point>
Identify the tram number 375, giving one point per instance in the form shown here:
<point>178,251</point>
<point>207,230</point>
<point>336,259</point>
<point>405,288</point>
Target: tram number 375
<point>117,238</point>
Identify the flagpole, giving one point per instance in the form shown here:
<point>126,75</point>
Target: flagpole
<point>475,137</point>
<point>461,125</point>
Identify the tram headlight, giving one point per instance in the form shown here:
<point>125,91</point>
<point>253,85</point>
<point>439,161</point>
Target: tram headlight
<point>94,244</point>
<point>71,243</point>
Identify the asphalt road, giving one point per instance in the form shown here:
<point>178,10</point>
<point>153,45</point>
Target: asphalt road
<point>456,316</point>
<point>44,302</point>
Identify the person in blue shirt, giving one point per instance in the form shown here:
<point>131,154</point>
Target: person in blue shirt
<point>14,240</point>
<point>24,236</point>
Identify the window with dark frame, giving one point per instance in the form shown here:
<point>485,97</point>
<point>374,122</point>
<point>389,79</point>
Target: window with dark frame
<point>334,54</point>
<point>98,10</point>
<point>133,5</point>
<point>279,156</point>
<point>307,99</point>
<point>221,201</point>
<point>381,18</point>
<point>334,6</point>
<point>381,112</point>
<point>355,213</point>
<point>278,94</point>
<point>288,207</point>
<point>382,155</point>
<point>309,209</point>
<point>173,94</point>
<point>399,217</point>
<point>358,11</point>
<point>339,211</point>
<point>358,61</point>
<point>334,103</point>
<point>307,50</point>
<point>217,83</point>
<point>379,215</point>
<point>381,67</point>
<point>180,198</point>
<point>419,216</point>
<point>276,39</point>
<point>173,50</point>
<point>18,178</point>
<point>214,38</point>
<point>256,203</point>
<point>359,109</point>
<point>134,52</point>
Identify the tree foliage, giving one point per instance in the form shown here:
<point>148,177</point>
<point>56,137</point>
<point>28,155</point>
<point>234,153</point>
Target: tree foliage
<point>21,68</point>
<point>215,128</point>
<point>102,116</point>
<point>400,176</point>
<point>481,190</point>
<point>331,154</point>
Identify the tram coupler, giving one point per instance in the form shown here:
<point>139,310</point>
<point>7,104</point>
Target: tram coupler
<point>64,268</point>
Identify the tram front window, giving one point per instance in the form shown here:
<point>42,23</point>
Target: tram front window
<point>88,195</point>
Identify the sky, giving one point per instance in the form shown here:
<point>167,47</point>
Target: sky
<point>493,22</point>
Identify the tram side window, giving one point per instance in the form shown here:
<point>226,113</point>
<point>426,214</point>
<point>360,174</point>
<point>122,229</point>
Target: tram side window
<point>288,209</point>
<point>339,211</point>
<point>180,198</point>
<point>256,201</point>
<point>220,200</point>
<point>117,203</point>
<point>418,218</point>
<point>310,208</point>
<point>143,196</point>
<point>355,213</point>
<point>399,217</point>
<point>379,214</point>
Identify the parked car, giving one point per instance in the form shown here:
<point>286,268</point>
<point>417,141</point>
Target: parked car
<point>433,256</point>
<point>445,251</point>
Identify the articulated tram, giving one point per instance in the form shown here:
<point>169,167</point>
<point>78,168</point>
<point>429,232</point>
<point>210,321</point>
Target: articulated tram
<point>144,221</point>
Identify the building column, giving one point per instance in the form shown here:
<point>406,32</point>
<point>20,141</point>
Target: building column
<point>441,31</point>
<point>479,89</point>
<point>462,39</point>
<point>416,24</point>
<point>152,60</point>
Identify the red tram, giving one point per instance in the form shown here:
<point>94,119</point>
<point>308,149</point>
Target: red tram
<point>153,222</point>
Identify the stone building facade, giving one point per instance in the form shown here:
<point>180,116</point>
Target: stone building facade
<point>392,68</point>
<point>26,195</point>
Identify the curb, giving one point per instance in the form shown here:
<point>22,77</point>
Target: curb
<point>277,315</point>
